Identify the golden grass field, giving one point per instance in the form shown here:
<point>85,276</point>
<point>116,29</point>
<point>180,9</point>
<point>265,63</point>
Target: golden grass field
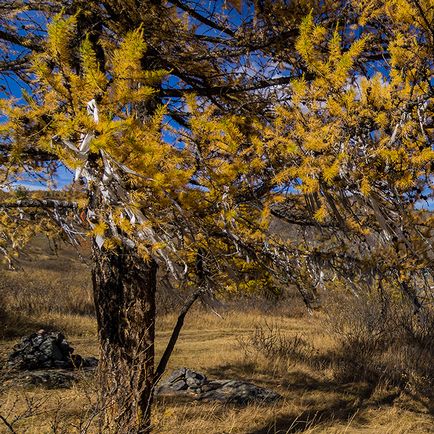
<point>54,292</point>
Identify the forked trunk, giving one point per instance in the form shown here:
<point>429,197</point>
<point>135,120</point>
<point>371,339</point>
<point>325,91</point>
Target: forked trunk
<point>124,289</point>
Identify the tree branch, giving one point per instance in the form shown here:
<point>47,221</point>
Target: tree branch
<point>175,334</point>
<point>225,90</point>
<point>39,203</point>
<point>10,427</point>
<point>201,18</point>
<point>33,44</point>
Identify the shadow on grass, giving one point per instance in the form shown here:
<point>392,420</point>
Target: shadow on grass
<point>15,326</point>
<point>327,401</point>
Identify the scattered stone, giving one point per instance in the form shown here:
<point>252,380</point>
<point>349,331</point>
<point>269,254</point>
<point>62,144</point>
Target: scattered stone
<point>237,392</point>
<point>47,378</point>
<point>47,350</point>
<point>184,382</point>
<point>184,379</point>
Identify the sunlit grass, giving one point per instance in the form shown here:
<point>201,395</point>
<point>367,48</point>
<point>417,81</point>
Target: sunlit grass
<point>313,400</point>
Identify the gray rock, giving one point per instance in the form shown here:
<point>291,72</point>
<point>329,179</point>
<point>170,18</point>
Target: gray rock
<point>184,382</point>
<point>179,385</point>
<point>46,350</point>
<point>48,379</point>
<point>238,392</point>
<point>89,362</point>
<point>194,379</point>
<point>184,379</point>
<point>177,374</point>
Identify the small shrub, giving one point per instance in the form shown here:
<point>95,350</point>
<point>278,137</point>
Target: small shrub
<point>380,340</point>
<point>269,341</point>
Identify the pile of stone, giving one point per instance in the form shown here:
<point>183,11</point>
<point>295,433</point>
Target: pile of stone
<point>47,350</point>
<point>184,382</point>
<point>46,378</point>
<point>46,359</point>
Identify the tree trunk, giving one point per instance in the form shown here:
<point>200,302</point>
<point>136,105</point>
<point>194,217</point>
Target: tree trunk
<point>124,290</point>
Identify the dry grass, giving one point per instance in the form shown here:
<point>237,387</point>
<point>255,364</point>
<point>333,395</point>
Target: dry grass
<point>49,290</point>
<point>315,400</point>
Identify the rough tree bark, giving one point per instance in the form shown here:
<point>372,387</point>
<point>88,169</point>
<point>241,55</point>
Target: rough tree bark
<point>124,289</point>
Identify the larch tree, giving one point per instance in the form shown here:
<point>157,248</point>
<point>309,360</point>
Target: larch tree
<point>190,129</point>
<point>105,86</point>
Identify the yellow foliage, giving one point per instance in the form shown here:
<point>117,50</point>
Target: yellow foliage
<point>344,136</point>
<point>100,228</point>
<point>321,213</point>
<point>61,32</point>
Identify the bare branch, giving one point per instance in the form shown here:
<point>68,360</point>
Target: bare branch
<point>8,425</point>
<point>175,334</point>
<point>39,203</point>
